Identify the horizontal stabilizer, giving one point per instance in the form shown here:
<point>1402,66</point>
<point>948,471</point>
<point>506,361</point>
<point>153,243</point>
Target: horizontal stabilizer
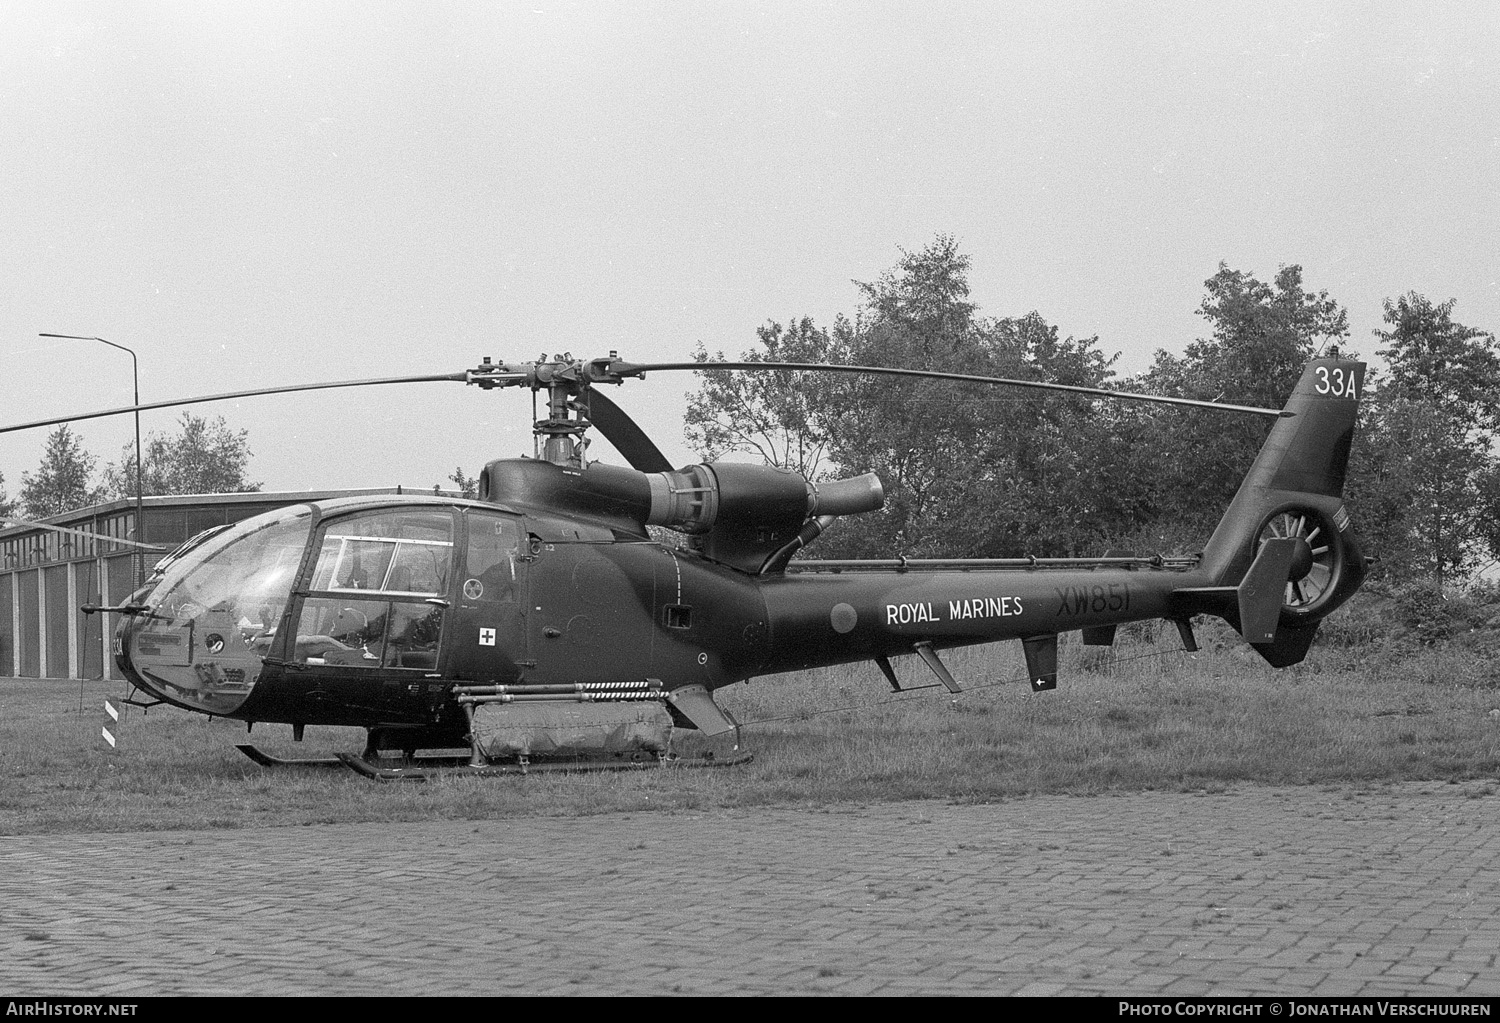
<point>1254,606</point>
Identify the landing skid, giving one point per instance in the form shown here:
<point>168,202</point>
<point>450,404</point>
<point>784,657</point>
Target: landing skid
<point>265,759</point>
<point>420,771</point>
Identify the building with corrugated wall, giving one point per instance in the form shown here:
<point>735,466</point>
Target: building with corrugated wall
<point>48,569</point>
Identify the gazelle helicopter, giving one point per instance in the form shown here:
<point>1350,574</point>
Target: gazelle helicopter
<point>541,624</point>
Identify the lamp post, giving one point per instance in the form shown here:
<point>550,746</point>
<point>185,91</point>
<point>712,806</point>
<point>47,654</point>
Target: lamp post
<point>140,520</point>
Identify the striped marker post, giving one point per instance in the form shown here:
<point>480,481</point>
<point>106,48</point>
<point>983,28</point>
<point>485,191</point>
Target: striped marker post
<point>112,722</point>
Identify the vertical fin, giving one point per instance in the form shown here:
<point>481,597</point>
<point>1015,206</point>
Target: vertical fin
<point>1303,462</point>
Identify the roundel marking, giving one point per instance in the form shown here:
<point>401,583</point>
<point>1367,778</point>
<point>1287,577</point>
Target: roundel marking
<point>473,589</point>
<point>843,617</point>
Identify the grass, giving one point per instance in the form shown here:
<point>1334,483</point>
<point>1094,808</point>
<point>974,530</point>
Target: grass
<point>1144,716</point>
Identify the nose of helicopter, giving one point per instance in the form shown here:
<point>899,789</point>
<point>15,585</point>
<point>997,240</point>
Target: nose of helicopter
<point>194,662</point>
<point>198,634</point>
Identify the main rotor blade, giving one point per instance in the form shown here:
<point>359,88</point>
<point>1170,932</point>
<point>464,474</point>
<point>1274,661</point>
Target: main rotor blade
<point>966,378</point>
<point>623,432</point>
<point>175,402</point>
<point>102,537</point>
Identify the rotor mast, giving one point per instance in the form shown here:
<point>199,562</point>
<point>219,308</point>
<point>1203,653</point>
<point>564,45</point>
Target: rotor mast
<point>559,437</point>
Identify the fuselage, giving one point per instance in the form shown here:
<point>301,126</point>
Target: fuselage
<point>371,611</point>
<point>368,611</point>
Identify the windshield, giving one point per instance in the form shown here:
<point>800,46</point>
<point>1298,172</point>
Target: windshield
<point>214,612</point>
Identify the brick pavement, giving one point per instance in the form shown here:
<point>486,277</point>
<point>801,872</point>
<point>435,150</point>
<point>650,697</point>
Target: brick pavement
<point>1252,892</point>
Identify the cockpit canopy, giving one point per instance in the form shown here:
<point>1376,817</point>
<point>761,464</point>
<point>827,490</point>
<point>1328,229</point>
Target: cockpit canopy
<point>373,593</point>
<point>215,606</point>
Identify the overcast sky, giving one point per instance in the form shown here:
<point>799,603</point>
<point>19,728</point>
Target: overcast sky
<point>253,194</point>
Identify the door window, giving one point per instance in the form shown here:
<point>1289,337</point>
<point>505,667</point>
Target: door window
<point>490,573</point>
<point>368,633</point>
<point>377,591</point>
<point>394,552</point>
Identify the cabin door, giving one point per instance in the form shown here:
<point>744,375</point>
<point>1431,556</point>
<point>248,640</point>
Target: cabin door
<point>490,642</point>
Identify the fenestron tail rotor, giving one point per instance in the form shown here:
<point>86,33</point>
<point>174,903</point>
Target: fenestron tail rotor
<point>1316,561</point>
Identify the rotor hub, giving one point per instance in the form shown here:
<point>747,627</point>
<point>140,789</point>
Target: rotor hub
<point>1302,560</point>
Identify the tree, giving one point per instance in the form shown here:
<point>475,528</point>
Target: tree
<point>1188,464</point>
<point>1426,481</point>
<point>1263,334</point>
<point>468,486</point>
<point>969,470</point>
<point>923,438</point>
<point>203,457</point>
<point>779,417</point>
<point>64,480</point>
<point>1054,493</point>
<point>7,506</point>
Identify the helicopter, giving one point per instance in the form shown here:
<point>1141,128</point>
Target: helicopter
<point>542,624</point>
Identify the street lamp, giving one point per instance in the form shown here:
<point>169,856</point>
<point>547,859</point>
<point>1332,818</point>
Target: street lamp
<point>140,521</point>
